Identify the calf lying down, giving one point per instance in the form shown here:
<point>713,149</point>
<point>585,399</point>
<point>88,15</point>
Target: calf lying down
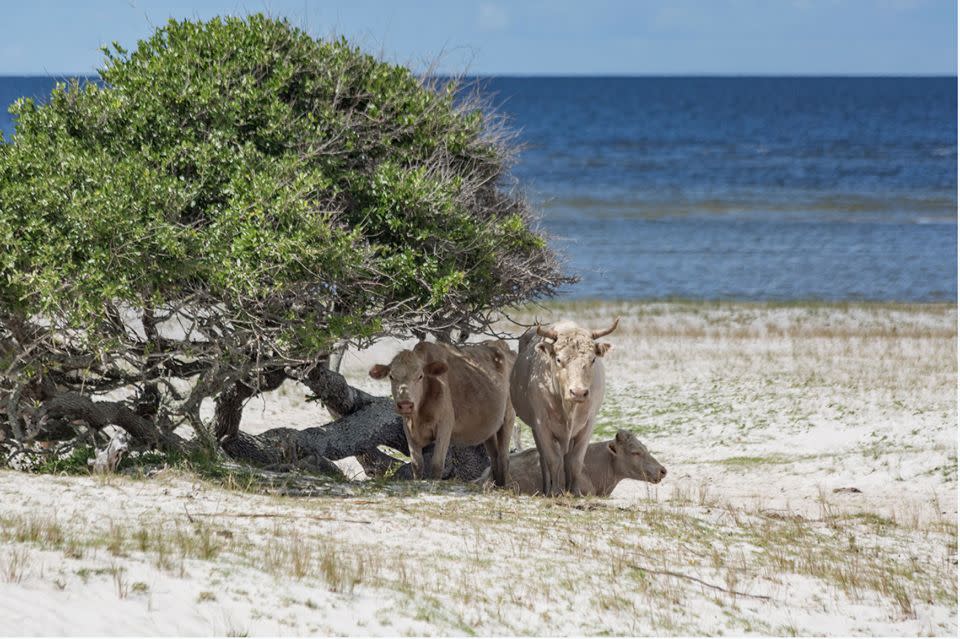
<point>604,466</point>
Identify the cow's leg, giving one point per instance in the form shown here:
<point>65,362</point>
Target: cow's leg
<point>573,462</point>
<point>540,441</point>
<point>551,462</point>
<point>490,444</point>
<point>416,452</point>
<point>559,480</point>
<point>503,447</point>
<point>416,460</point>
<point>440,446</point>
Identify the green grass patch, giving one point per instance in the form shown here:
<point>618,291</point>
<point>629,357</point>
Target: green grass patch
<point>76,463</point>
<point>749,460</point>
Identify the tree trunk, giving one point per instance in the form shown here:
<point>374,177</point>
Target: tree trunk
<point>101,414</point>
<point>373,424</point>
<point>464,463</point>
<point>229,410</point>
<point>336,357</point>
<point>229,404</point>
<point>331,388</point>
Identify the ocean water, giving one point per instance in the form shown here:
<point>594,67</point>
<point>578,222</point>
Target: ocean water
<point>734,188</point>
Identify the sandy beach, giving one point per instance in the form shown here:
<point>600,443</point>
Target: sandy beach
<point>812,489</point>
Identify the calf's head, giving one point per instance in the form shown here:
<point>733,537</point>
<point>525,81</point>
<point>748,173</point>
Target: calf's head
<point>572,352</point>
<point>632,460</point>
<point>407,372</point>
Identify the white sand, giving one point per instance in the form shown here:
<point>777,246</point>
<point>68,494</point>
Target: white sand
<point>759,413</point>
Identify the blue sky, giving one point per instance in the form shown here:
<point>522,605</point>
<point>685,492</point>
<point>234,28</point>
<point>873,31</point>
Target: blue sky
<point>886,37</point>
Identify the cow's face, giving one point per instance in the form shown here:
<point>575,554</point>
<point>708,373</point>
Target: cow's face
<point>573,354</point>
<point>407,373</point>
<point>573,357</point>
<point>632,460</point>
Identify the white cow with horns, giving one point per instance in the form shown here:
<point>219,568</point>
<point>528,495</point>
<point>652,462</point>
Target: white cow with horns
<point>557,387</point>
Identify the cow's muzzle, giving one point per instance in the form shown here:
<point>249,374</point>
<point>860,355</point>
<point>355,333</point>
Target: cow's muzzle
<point>405,407</point>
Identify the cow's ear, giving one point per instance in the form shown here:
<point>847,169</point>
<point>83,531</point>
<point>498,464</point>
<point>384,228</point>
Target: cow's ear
<point>602,348</point>
<point>435,368</point>
<point>379,371</point>
<point>546,347</point>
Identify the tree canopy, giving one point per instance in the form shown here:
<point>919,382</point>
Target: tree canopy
<point>267,192</point>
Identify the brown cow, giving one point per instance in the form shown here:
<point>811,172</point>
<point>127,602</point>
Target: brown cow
<point>447,394</point>
<point>605,465</point>
<point>557,385</point>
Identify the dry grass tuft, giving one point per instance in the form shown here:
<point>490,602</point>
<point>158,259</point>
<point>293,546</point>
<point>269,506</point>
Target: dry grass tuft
<point>13,564</point>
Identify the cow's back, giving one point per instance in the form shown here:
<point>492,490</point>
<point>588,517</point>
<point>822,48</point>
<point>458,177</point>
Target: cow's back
<point>525,475</point>
<point>478,381</point>
<point>524,472</point>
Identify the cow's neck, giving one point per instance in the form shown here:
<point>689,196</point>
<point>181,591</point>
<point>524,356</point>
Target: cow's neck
<point>411,422</point>
<point>600,468</point>
<point>419,428</point>
<point>432,405</point>
<point>575,412</point>
<point>434,398</point>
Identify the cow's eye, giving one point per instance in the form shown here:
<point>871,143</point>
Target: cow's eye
<point>593,360</point>
<point>421,377</point>
<point>558,360</point>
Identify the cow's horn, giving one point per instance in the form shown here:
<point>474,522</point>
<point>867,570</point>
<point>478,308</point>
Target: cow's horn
<point>549,333</point>
<point>606,331</point>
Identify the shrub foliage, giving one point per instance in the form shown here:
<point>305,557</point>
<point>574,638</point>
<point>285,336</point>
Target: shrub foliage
<point>235,196</point>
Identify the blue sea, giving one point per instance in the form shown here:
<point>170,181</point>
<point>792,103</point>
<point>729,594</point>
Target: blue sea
<point>733,188</point>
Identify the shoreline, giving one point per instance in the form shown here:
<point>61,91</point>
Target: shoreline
<point>684,301</point>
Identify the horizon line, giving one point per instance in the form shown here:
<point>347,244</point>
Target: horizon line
<point>574,75</point>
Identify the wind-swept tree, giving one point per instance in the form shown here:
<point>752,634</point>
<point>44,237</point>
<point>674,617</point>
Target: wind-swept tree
<point>231,203</point>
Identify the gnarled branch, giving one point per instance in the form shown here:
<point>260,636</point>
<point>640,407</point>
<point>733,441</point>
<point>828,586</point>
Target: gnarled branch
<point>102,414</point>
